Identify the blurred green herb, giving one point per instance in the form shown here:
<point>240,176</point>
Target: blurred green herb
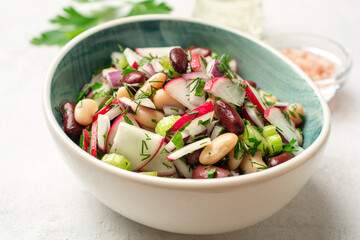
<point>71,22</point>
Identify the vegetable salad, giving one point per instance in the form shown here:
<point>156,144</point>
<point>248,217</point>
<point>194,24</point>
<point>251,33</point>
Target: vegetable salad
<point>174,112</point>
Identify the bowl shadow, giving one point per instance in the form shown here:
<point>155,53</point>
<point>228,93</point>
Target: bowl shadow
<point>305,217</point>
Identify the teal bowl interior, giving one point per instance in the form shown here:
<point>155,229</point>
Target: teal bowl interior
<point>258,63</point>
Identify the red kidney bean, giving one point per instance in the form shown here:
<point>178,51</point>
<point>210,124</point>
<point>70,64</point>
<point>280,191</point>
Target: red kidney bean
<point>252,83</point>
<point>281,158</point>
<point>229,117</point>
<point>134,77</point>
<point>202,172</point>
<point>178,60</point>
<point>193,158</point>
<point>71,127</point>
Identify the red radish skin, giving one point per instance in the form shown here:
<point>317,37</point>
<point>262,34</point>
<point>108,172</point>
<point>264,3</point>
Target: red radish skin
<point>105,109</point>
<point>93,143</point>
<point>202,110</point>
<point>226,89</point>
<point>254,97</point>
<point>114,127</point>
<point>86,139</point>
<point>196,63</point>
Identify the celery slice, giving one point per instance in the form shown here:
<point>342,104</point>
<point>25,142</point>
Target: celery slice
<point>275,143</point>
<point>117,161</point>
<point>165,124</point>
<point>269,130</point>
<point>254,139</point>
<point>123,63</point>
<point>149,173</point>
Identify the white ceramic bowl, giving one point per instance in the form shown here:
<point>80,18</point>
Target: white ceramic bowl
<point>183,205</point>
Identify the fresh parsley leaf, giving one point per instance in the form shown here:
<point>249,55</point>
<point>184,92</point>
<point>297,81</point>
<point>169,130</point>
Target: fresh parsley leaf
<point>71,22</point>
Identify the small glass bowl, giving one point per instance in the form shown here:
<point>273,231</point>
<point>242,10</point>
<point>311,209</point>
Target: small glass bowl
<point>324,47</point>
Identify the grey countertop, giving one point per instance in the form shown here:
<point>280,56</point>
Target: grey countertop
<point>41,199</point>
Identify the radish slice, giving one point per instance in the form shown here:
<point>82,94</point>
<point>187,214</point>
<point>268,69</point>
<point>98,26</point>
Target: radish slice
<point>157,51</point>
<point>255,97</point>
<point>128,118</point>
<point>211,126</point>
<point>146,102</point>
<point>195,100</point>
<point>93,140</point>
<point>132,57</point>
<point>254,114</point>
<point>172,110</point>
<point>226,89</point>
<point>277,118</point>
<point>184,169</point>
<point>85,140</point>
<point>189,148</point>
<point>137,145</point>
<point>196,62</point>
<point>178,89</point>
<point>148,69</point>
<point>103,129</point>
<point>212,69</point>
<point>160,164</point>
<point>200,114</point>
<point>199,130</point>
<point>194,75</point>
<point>114,112</point>
<point>127,103</point>
<point>115,58</point>
<point>204,51</point>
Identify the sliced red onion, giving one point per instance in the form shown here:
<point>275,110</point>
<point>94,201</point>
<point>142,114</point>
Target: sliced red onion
<point>127,103</point>
<point>146,102</point>
<point>148,69</point>
<point>216,132</point>
<point>189,148</point>
<point>172,110</point>
<point>115,78</point>
<point>282,105</point>
<point>90,93</point>
<point>157,65</point>
<point>211,126</point>
<point>193,75</point>
<point>212,69</point>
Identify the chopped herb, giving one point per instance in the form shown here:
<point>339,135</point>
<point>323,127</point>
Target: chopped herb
<point>128,70</point>
<point>301,116</point>
<point>147,137</point>
<point>143,145</point>
<point>175,109</point>
<point>178,140</point>
<point>164,151</point>
<point>300,131</point>
<point>211,173</point>
<point>146,156</point>
<point>290,146</point>
<point>167,166</point>
<point>204,123</point>
<point>154,120</point>
<point>127,120</point>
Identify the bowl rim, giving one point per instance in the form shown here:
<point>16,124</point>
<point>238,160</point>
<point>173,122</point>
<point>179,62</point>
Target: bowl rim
<point>348,63</point>
<point>178,183</point>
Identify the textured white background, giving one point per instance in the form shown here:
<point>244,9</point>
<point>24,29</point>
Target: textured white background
<point>41,199</point>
